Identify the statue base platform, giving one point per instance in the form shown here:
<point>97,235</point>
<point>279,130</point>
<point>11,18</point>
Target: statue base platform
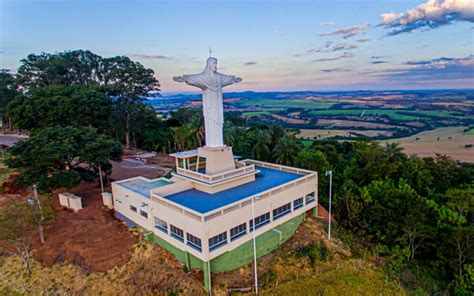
<point>218,159</point>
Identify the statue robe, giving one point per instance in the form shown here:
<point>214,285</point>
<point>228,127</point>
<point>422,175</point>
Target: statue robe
<point>211,84</point>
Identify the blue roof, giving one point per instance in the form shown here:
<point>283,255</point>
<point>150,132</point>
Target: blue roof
<point>203,202</point>
<point>143,187</point>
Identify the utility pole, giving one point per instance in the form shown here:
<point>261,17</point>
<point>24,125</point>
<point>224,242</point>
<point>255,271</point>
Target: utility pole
<point>101,182</point>
<point>254,246</point>
<point>37,201</point>
<point>329,173</point>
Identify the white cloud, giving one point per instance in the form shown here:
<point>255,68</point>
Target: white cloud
<point>346,32</point>
<point>431,14</point>
<point>327,23</point>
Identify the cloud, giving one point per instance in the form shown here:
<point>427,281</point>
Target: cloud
<point>344,46</point>
<point>335,70</point>
<point>347,32</point>
<point>250,64</point>
<point>150,56</point>
<point>379,62</point>
<point>362,40</point>
<point>429,15</point>
<point>442,68</point>
<point>343,56</point>
<point>327,23</point>
<point>330,46</point>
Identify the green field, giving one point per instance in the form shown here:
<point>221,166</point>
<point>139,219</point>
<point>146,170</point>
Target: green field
<point>267,103</point>
<point>470,132</point>
<point>256,113</point>
<point>392,114</point>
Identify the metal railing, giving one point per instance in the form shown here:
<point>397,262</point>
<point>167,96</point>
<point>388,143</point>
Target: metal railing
<point>210,179</point>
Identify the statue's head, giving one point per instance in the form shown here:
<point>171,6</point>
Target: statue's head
<point>211,65</point>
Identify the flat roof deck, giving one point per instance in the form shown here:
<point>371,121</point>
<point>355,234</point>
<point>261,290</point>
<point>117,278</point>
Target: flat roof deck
<point>203,202</point>
<point>143,187</point>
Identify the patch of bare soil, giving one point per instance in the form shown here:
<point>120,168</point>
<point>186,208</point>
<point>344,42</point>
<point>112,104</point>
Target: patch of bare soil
<point>91,238</point>
<point>290,120</point>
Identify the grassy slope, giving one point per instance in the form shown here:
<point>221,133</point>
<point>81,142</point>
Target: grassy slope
<point>344,281</point>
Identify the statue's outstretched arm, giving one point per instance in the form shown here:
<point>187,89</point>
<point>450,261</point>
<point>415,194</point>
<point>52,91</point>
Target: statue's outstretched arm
<point>178,79</point>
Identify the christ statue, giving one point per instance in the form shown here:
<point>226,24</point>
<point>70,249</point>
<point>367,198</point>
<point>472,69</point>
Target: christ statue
<point>211,83</point>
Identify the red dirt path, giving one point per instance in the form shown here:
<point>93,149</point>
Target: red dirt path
<point>90,238</point>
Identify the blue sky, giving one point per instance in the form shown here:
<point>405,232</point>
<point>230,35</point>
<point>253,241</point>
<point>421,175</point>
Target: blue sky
<point>272,45</point>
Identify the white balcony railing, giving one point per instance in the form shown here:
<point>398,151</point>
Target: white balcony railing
<point>220,177</point>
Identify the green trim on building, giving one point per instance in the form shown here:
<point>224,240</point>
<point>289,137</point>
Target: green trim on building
<point>184,257</point>
<point>266,243</point>
<point>240,256</point>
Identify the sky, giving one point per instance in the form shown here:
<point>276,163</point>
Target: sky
<point>272,45</point>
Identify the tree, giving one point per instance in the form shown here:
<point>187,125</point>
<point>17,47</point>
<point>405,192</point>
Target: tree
<point>276,132</point>
<point>120,78</point>
<point>59,105</point>
<point>394,152</point>
<point>183,137</point>
<point>65,68</point>
<point>261,141</point>
<point>128,82</point>
<point>312,159</point>
<point>17,224</point>
<point>8,91</point>
<point>286,150</point>
<point>62,156</point>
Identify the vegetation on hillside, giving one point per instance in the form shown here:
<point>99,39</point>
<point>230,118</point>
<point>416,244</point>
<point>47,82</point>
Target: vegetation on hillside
<point>416,214</point>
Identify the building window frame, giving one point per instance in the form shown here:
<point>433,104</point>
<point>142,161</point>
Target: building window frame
<point>238,231</point>
<point>310,198</point>
<point>194,242</point>
<point>177,233</point>
<point>144,214</point>
<point>282,211</point>
<point>161,225</point>
<point>260,221</point>
<point>217,241</point>
<point>298,203</point>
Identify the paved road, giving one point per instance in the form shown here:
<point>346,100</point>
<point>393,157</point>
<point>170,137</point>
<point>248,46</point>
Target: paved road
<point>9,140</point>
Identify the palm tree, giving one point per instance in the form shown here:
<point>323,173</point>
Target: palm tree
<point>276,132</point>
<point>183,137</point>
<point>260,144</point>
<point>286,150</point>
<point>394,152</point>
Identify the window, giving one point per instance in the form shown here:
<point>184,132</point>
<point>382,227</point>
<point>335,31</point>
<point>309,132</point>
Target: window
<point>260,221</point>
<point>177,233</point>
<point>193,242</point>
<point>297,203</point>
<point>281,211</point>
<point>217,241</point>
<point>133,208</point>
<point>144,214</point>
<point>238,231</point>
<point>161,225</point>
<point>310,198</point>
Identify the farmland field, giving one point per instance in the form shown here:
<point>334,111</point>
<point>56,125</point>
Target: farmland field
<point>348,115</point>
<point>450,141</point>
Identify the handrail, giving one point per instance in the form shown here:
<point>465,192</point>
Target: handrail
<point>216,177</point>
